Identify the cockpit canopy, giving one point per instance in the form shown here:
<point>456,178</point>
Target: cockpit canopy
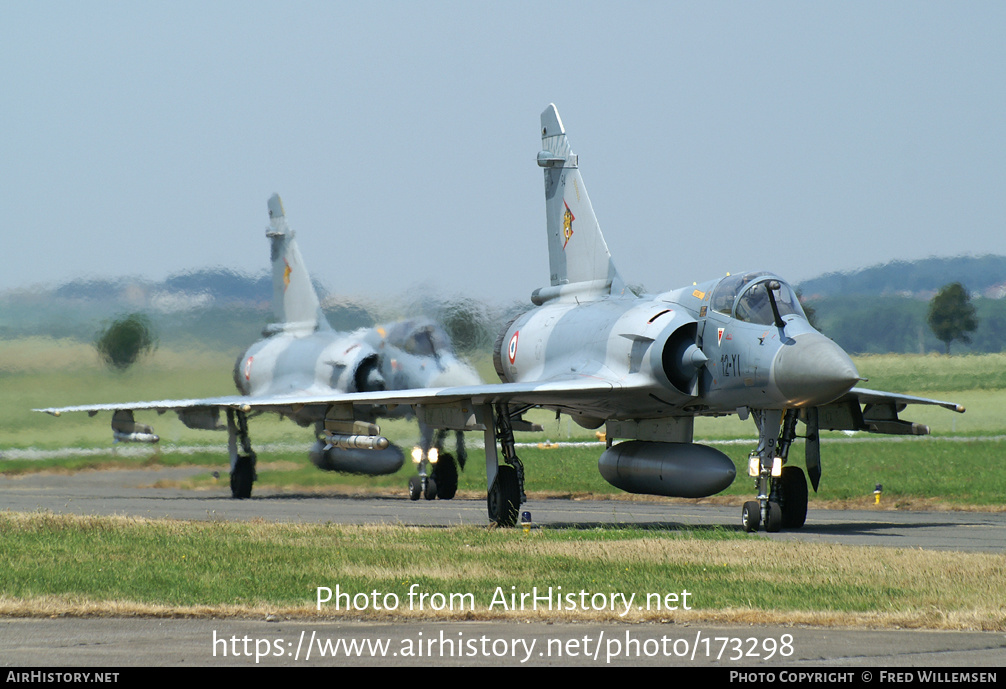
<point>746,298</point>
<point>419,336</point>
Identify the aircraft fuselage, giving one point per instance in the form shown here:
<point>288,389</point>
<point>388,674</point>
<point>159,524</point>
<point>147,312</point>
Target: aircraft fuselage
<point>280,365</point>
<point>711,349</point>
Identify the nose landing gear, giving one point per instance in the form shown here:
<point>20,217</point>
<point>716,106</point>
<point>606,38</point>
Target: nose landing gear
<point>782,490</point>
<point>437,471</point>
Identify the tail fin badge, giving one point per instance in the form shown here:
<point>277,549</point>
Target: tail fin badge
<point>567,224</point>
<point>286,274</point>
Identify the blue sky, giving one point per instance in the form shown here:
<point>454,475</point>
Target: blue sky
<point>804,138</point>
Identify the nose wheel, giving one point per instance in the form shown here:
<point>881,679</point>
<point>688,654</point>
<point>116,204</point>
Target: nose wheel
<point>751,516</point>
<point>423,485</point>
<point>437,475</point>
<point>790,512</point>
<point>782,490</point>
<point>415,487</point>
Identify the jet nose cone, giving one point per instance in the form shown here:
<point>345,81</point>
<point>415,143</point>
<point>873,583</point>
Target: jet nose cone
<point>812,370</point>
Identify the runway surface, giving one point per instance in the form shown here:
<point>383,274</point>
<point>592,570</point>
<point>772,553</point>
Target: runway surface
<point>146,642</point>
<point>121,643</point>
<point>128,492</point>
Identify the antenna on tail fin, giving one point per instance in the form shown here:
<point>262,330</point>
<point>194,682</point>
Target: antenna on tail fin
<point>578,256</point>
<point>294,301</point>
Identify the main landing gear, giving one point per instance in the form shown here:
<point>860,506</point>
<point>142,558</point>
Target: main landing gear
<point>437,475</point>
<point>506,481</point>
<point>782,490</point>
<point>242,465</point>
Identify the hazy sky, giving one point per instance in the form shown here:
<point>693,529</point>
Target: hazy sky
<point>141,138</point>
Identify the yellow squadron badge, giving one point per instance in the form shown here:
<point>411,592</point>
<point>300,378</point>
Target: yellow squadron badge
<point>567,224</point>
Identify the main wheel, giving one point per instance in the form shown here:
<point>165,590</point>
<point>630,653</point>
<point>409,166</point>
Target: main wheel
<point>415,488</point>
<point>242,477</point>
<point>504,496</point>
<point>793,498</point>
<point>446,474</point>
<point>773,520</point>
<point>751,516</point>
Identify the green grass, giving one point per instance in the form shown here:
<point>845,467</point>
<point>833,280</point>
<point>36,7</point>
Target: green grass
<point>74,565</point>
<point>956,473</point>
<point>931,373</point>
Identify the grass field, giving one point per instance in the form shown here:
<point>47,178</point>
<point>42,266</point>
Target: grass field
<point>116,566</point>
<point>67,565</point>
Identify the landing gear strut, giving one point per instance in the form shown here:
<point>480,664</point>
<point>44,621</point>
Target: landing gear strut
<point>506,481</point>
<point>782,490</point>
<point>242,463</point>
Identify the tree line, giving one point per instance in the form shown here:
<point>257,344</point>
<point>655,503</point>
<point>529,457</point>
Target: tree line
<point>951,321</point>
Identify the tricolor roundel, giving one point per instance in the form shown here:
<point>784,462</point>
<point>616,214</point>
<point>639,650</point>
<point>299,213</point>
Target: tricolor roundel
<point>512,349</point>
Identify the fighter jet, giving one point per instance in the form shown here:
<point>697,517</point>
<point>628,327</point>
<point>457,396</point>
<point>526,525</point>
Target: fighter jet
<point>645,366</point>
<point>301,355</point>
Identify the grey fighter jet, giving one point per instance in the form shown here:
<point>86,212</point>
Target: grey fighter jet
<point>302,356</point>
<point>645,366</point>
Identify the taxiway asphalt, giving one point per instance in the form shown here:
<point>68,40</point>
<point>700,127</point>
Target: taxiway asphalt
<point>130,492</point>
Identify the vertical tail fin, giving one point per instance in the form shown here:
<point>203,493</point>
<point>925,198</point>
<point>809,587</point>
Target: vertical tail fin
<point>577,253</point>
<point>294,301</point>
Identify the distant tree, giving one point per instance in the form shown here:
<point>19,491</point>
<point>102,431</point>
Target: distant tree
<point>125,340</point>
<point>951,315</point>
